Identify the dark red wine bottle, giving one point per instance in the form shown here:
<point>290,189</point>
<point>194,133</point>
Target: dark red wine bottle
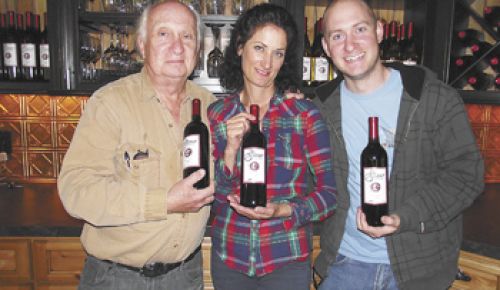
<point>481,81</point>
<point>195,151</point>
<point>253,164</point>
<point>385,41</point>
<point>3,31</point>
<point>374,179</point>
<point>11,54</point>
<point>495,63</point>
<point>497,82</point>
<point>393,49</point>
<point>409,54</point>
<point>44,55</point>
<point>470,36</point>
<point>28,44</point>
<point>492,16</point>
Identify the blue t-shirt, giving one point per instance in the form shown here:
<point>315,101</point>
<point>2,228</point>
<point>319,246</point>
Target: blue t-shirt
<point>356,108</point>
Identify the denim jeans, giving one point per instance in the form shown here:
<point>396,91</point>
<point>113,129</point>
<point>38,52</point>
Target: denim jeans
<point>294,276</point>
<point>349,274</point>
<point>99,275</point>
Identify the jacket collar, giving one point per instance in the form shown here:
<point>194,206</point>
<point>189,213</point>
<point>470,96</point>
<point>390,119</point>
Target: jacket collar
<point>412,76</point>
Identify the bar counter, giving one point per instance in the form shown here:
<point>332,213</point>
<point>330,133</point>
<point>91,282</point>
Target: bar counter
<point>36,210</point>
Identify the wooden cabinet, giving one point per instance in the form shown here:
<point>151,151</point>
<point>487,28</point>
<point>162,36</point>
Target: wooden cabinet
<point>56,263</point>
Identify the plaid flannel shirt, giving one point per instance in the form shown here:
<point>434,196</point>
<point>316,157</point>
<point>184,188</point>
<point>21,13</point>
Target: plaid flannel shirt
<point>297,139</point>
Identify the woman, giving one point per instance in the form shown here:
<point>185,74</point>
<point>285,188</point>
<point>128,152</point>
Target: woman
<point>267,247</point>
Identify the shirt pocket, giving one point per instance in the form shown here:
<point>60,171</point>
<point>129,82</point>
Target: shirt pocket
<point>139,163</point>
<point>289,151</point>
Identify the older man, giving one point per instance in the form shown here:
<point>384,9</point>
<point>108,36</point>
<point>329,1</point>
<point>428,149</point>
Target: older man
<point>123,171</point>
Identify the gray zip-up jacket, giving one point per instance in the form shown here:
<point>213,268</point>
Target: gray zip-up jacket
<point>437,172</point>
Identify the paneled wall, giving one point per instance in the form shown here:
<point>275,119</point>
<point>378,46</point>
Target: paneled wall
<point>42,127</point>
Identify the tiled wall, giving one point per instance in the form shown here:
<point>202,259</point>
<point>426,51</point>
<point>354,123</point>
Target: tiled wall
<point>42,127</point>
<point>485,121</point>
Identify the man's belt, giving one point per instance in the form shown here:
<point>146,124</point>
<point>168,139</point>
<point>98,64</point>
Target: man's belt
<point>156,269</point>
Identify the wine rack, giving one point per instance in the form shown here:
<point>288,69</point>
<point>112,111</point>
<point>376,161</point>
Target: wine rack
<point>475,52</point>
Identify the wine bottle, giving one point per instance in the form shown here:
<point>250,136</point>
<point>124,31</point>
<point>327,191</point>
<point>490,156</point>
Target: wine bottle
<point>492,16</point>
<point>494,63</point>
<point>410,54</point>
<point>374,179</point>
<point>44,52</point>
<point>482,47</point>
<point>195,152</point>
<point>384,42</point>
<point>469,37</point>
<point>253,164</point>
<point>497,82</point>
<point>3,31</point>
<point>481,81</point>
<point>28,43</point>
<point>321,66</point>
<point>11,53</point>
<point>458,65</point>
<point>306,58</point>
<point>402,41</point>
<point>392,53</point>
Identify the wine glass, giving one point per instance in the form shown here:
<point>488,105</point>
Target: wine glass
<point>215,57</point>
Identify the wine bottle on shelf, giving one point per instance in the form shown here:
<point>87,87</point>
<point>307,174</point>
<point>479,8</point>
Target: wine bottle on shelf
<point>460,64</point>
<point>392,53</point>
<point>384,42</point>
<point>253,164</point>
<point>11,52</point>
<point>470,36</point>
<point>44,52</point>
<point>410,54</point>
<point>481,48</point>
<point>3,31</point>
<point>28,43</point>
<point>497,82</point>
<point>494,63</point>
<point>196,148</point>
<point>481,81</point>
<point>374,177</point>
<point>321,66</point>
<point>306,58</point>
<point>492,16</point>
<point>402,41</point>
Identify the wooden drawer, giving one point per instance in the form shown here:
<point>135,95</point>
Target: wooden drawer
<point>15,261</point>
<point>58,287</point>
<point>15,287</point>
<point>58,260</point>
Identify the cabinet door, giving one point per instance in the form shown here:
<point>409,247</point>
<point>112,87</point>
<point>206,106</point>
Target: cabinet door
<point>15,287</point>
<point>15,263</point>
<point>58,260</point>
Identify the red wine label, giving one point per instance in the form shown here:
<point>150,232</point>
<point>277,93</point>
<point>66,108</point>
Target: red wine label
<point>10,54</point>
<point>375,185</point>
<point>191,153</point>
<point>28,53</point>
<point>44,55</point>
<point>306,68</point>
<point>254,162</point>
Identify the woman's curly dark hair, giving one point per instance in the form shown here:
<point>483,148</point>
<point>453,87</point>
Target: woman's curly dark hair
<point>231,74</point>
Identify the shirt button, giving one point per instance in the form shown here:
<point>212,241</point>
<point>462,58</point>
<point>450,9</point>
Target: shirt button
<point>176,245</point>
<point>170,125</point>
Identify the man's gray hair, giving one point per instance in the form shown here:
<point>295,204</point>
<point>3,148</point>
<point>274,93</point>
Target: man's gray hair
<point>142,23</point>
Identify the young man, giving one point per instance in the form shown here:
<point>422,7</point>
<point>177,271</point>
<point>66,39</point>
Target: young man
<point>123,171</point>
<point>435,167</point>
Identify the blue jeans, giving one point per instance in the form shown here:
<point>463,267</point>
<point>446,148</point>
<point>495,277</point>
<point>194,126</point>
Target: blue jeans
<point>294,276</point>
<point>349,274</point>
<point>99,275</point>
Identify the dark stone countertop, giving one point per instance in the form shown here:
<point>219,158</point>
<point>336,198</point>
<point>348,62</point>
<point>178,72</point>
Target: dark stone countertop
<point>36,210</point>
